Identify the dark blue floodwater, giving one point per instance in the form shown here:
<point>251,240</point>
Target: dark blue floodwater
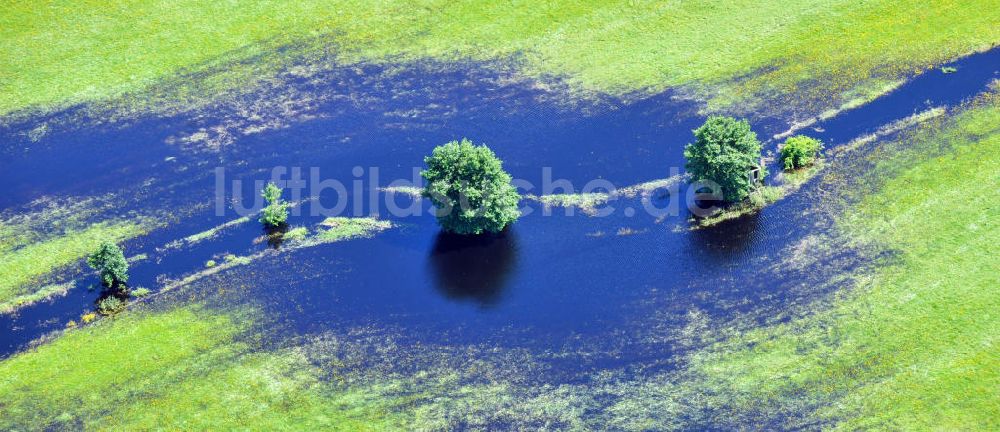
<point>546,281</point>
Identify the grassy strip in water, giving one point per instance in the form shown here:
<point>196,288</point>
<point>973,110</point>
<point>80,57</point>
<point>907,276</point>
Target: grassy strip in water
<point>916,346</point>
<point>81,51</point>
<point>28,265</point>
<point>44,293</point>
<point>590,201</point>
<point>586,202</point>
<point>212,232</point>
<point>343,228</point>
<point>332,229</point>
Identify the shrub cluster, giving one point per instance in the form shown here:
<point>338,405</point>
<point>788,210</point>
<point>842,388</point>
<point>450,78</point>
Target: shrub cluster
<point>110,305</point>
<point>799,151</point>
<point>469,188</point>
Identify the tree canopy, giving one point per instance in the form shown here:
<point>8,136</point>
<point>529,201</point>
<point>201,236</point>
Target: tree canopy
<point>110,262</point>
<point>469,188</point>
<point>725,151</point>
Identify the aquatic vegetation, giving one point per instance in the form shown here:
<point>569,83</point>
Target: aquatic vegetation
<point>276,211</point>
<point>897,350</point>
<point>469,188</point>
<point>616,47</point>
<point>22,267</point>
<point>109,261</point>
<point>726,152</point>
<point>645,189</point>
<point>229,262</point>
<point>110,305</point>
<point>140,292</point>
<point>589,201</point>
<point>210,263</point>
<point>411,191</point>
<point>799,151</point>
<point>586,202</point>
<point>209,233</point>
<point>296,234</point>
<point>948,69</point>
<point>343,228</point>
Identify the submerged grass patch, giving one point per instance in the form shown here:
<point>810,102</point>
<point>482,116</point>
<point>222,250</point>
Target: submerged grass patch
<point>82,51</point>
<point>915,345</point>
<point>343,228</point>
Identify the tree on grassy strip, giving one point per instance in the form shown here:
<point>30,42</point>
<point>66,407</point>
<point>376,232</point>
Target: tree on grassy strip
<point>799,151</point>
<point>110,262</point>
<point>469,188</point>
<point>725,151</point>
<point>276,212</point>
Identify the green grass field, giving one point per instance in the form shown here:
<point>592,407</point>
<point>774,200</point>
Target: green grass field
<point>66,52</point>
<point>914,346</point>
<point>185,368</point>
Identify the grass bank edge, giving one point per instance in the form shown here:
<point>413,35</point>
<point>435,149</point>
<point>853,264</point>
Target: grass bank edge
<point>767,48</point>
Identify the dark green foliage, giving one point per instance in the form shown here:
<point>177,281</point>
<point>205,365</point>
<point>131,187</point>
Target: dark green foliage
<point>725,150</point>
<point>470,189</point>
<point>276,212</point>
<point>110,262</point>
<point>799,151</point>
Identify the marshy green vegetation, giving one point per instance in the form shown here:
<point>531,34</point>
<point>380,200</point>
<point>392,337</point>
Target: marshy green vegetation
<point>827,53</point>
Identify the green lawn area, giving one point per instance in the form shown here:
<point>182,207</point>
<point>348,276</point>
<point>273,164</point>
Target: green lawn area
<point>915,345</point>
<point>63,52</point>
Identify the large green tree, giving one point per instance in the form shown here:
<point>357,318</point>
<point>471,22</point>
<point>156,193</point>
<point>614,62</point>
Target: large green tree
<point>724,151</point>
<point>469,188</point>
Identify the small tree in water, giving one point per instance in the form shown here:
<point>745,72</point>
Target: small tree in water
<point>725,151</point>
<point>470,189</point>
<point>110,262</point>
<point>276,211</point>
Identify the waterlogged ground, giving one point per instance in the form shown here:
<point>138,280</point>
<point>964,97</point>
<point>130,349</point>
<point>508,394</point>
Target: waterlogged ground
<point>625,321</point>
